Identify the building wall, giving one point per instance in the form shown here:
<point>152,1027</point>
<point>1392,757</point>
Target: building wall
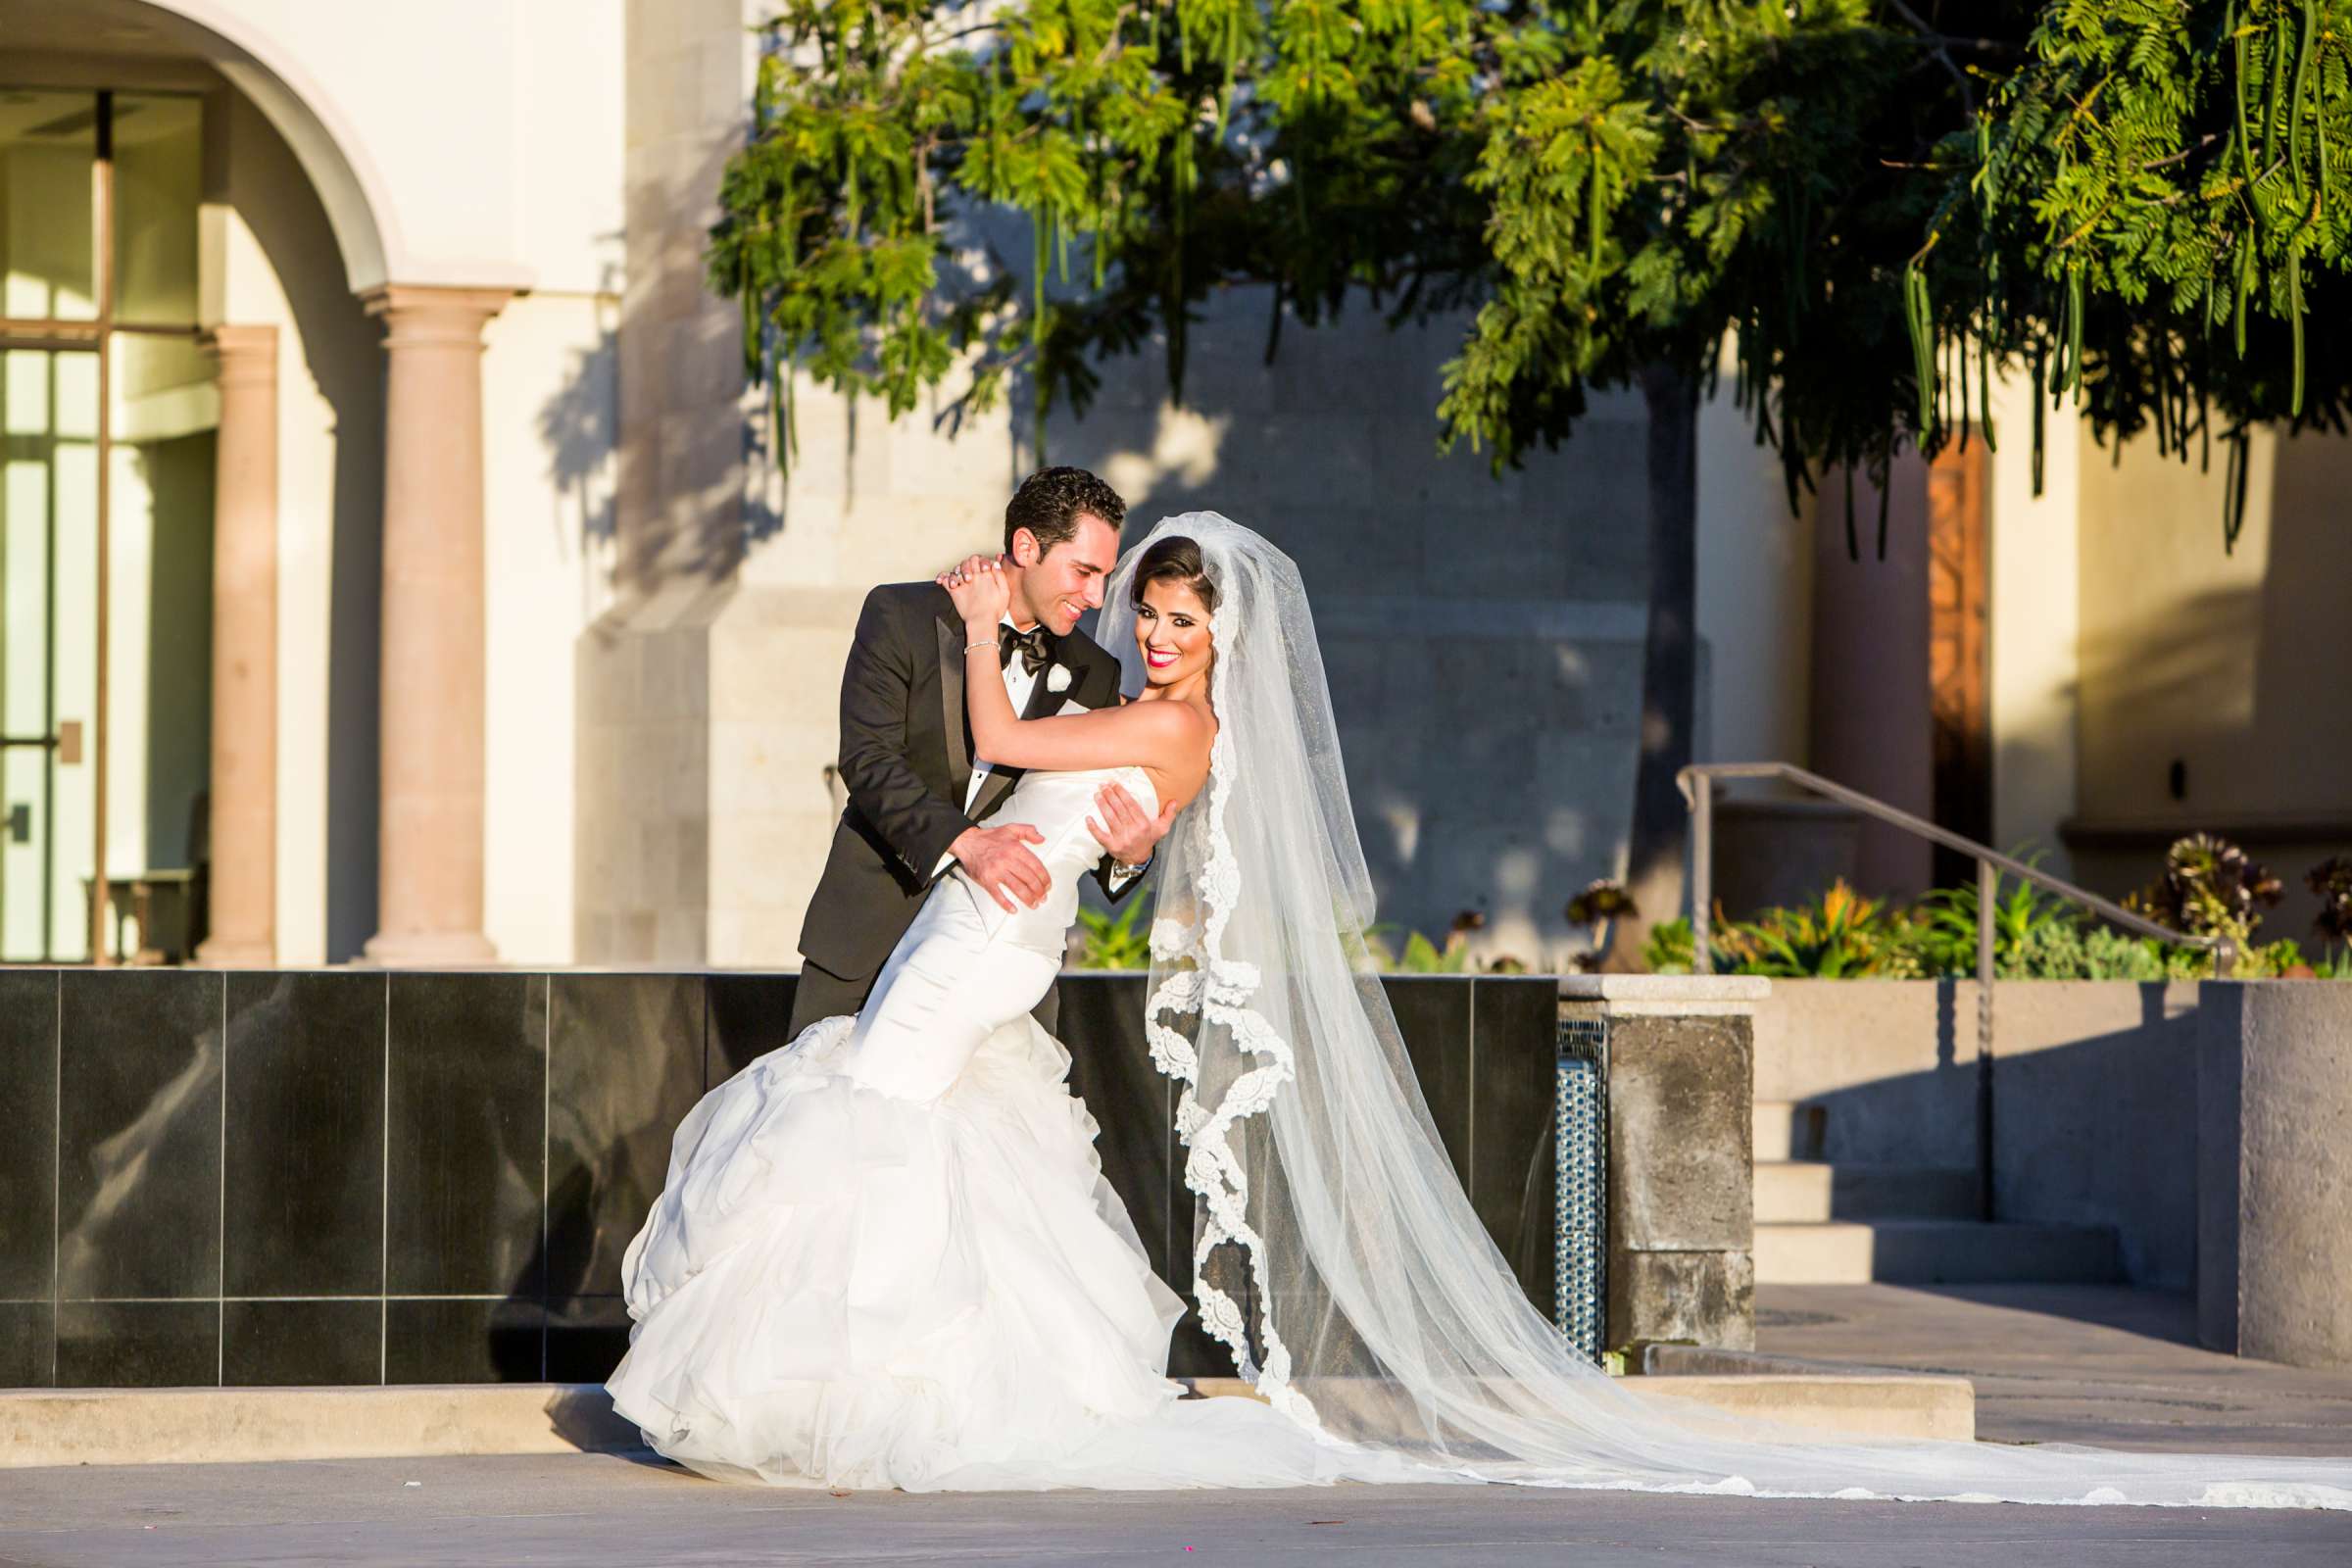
<point>1483,635</point>
<point>2231,663</point>
<point>550,400</point>
<point>2033,644</point>
<point>513,177</point>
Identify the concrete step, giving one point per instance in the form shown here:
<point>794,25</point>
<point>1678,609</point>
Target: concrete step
<point>48,1427</point>
<point>1808,1192</point>
<point>1922,1252</point>
<point>175,1426</point>
<point>1787,1128</point>
<point>1850,1404</point>
<point>1793,1191</point>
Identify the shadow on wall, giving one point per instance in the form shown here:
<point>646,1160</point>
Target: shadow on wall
<point>580,428</point>
<point>680,507</point>
<point>341,347</point>
<point>1481,634</point>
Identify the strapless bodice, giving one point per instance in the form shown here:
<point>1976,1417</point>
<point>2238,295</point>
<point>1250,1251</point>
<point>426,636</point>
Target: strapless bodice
<point>1058,805</point>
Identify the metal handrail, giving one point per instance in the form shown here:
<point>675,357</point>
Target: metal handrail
<point>1698,784</point>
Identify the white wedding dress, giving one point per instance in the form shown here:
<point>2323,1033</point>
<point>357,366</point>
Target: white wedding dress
<point>886,1255</point>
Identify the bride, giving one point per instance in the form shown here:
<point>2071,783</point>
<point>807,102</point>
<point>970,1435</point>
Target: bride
<point>885,1255</point>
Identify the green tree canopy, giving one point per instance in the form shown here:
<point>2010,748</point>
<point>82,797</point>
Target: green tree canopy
<point>1880,203</point>
<point>2144,200</point>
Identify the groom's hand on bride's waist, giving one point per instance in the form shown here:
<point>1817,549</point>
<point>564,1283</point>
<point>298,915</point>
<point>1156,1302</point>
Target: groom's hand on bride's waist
<point>1001,860</point>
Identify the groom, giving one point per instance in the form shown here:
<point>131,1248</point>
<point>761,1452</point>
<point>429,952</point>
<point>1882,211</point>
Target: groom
<point>916,792</point>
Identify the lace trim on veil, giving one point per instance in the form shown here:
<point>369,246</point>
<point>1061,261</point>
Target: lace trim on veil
<point>1218,989</point>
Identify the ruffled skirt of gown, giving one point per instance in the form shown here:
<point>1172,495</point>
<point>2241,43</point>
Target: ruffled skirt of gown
<point>843,1287</point>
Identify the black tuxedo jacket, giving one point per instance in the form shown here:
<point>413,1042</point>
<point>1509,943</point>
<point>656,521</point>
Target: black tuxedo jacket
<point>907,761</point>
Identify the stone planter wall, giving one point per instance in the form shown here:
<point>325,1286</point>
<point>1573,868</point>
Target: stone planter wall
<point>2275,1170</point>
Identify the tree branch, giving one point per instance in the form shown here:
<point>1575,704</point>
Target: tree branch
<point>1942,46</point>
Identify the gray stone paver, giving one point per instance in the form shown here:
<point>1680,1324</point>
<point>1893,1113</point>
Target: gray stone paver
<point>612,1510</point>
<point>2052,1363</point>
<point>590,1510</point>
<point>2069,1363</point>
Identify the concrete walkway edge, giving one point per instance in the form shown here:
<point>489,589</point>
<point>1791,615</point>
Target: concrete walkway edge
<point>44,1427</point>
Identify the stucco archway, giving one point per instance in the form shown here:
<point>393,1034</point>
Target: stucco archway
<point>234,39</point>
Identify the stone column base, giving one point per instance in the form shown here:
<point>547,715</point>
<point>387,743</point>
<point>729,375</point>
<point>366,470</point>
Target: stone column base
<point>212,954</point>
<point>429,949</point>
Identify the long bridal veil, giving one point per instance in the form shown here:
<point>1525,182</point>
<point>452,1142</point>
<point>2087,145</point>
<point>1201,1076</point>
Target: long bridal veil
<point>1335,1254</point>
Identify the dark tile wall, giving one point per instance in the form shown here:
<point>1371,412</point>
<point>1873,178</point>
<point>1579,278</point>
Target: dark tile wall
<point>466,1156</point>
<point>28,1155</point>
<point>139,1140</point>
<point>348,1176</point>
<point>303,1174</point>
<point>624,1065</point>
<point>1514,1057</point>
<point>302,1342</point>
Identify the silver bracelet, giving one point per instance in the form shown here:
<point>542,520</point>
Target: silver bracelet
<point>973,648</point>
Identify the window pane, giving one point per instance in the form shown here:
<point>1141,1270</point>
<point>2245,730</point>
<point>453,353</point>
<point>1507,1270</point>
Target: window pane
<point>48,559</point>
<point>48,145</point>
<point>158,180</point>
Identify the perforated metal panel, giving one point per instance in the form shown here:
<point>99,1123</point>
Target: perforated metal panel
<point>1580,1156</point>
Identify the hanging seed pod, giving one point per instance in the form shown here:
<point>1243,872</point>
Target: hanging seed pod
<point>2246,287</point>
<point>1960,386</point>
<point>1592,216</point>
<point>2300,105</point>
<point>2074,328</point>
<point>2295,326</point>
<point>2245,132</point>
<point>1916,315</point>
<point>2035,400</point>
<point>2233,489</point>
<point>1984,392</point>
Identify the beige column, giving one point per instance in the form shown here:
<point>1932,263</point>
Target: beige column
<point>429,844</point>
<point>243,834</point>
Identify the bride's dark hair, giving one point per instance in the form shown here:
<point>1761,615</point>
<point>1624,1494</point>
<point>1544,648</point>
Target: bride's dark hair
<point>1174,559</point>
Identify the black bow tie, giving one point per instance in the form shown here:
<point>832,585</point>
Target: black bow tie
<point>1032,646</point>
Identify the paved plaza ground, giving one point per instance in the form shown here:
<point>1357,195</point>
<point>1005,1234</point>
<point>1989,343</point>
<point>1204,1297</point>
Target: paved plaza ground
<point>2052,1363</point>
<point>2069,1363</point>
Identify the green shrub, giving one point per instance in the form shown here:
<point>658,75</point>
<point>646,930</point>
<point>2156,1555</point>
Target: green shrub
<point>1843,936</point>
<point>2208,888</point>
<point>1943,926</point>
<point>1116,944</point>
<point>1420,955</point>
<point>2069,950</point>
<point>1671,949</point>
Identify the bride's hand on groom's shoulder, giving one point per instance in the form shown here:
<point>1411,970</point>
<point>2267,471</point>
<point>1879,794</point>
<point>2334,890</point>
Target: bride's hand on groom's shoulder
<point>980,589</point>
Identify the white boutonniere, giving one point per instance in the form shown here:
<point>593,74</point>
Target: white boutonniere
<point>1058,678</point>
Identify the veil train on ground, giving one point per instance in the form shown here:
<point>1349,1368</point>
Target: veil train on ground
<point>1335,1254</point>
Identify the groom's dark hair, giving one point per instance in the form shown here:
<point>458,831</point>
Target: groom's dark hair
<point>1050,500</point>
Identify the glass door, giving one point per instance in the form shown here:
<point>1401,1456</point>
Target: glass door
<point>48,515</point>
<point>107,410</point>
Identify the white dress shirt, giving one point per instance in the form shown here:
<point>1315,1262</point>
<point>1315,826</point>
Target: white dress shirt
<point>1019,685</point>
